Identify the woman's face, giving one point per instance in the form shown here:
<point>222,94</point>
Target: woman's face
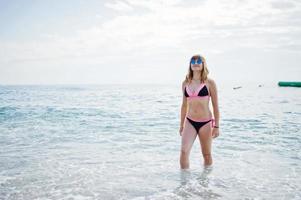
<point>196,64</point>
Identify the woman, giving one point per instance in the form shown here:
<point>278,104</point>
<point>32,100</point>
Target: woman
<point>196,117</point>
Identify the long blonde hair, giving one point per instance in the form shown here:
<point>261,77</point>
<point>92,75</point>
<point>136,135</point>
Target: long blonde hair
<point>204,71</point>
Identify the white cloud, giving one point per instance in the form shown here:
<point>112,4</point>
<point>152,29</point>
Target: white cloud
<point>154,5</point>
<point>168,25</point>
<point>143,28</point>
<point>119,6</point>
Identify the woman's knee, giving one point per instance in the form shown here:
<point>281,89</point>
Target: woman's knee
<point>207,157</point>
<point>185,151</point>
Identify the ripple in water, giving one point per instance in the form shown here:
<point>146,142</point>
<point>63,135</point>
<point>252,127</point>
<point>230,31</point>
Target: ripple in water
<point>78,142</point>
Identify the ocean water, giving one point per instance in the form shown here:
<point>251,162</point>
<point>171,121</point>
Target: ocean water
<point>122,142</point>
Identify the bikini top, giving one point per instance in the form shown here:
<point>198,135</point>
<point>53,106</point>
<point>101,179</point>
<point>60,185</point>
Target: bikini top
<point>201,92</point>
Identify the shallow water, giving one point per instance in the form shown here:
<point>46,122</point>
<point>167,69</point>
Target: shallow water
<point>122,142</point>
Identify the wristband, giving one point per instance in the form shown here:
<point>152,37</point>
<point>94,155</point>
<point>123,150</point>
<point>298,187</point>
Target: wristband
<point>215,126</point>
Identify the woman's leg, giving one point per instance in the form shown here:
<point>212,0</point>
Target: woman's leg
<point>188,137</point>
<point>205,138</point>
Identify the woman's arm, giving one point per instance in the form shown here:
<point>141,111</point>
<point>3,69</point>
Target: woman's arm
<point>214,100</point>
<point>184,105</point>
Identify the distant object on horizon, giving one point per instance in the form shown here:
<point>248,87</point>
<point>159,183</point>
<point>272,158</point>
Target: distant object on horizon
<point>260,85</point>
<point>234,88</point>
<point>289,84</point>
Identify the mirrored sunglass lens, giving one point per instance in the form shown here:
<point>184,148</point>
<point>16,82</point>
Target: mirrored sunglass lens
<point>199,61</point>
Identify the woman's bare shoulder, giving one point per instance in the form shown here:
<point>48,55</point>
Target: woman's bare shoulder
<point>211,82</point>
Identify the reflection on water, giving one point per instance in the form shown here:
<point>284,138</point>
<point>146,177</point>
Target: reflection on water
<point>83,143</point>
<point>196,185</point>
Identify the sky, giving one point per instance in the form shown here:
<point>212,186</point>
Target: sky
<point>148,41</point>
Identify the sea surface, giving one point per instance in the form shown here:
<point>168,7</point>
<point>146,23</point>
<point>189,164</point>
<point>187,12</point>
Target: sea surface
<point>122,142</point>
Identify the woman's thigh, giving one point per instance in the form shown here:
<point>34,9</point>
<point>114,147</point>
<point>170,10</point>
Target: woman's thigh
<point>205,137</point>
<point>188,136</point>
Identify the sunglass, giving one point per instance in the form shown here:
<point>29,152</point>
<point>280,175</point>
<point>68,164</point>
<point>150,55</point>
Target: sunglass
<point>193,62</point>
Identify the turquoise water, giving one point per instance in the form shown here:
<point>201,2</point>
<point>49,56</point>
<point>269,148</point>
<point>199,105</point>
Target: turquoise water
<point>122,142</point>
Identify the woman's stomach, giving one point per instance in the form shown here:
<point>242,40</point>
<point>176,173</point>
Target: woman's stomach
<point>199,111</point>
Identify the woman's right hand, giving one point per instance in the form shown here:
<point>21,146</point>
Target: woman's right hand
<point>180,130</point>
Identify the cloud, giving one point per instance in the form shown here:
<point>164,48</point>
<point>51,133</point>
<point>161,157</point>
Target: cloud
<point>119,6</point>
<point>154,5</point>
<point>283,4</point>
<point>215,25</point>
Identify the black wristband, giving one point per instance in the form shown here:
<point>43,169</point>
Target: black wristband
<point>215,126</point>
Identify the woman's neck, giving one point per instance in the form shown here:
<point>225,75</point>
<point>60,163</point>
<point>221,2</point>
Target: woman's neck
<point>196,76</point>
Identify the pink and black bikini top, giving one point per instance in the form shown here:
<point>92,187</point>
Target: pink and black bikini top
<point>201,92</point>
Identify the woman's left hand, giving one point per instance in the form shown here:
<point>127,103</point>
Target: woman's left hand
<point>215,132</point>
